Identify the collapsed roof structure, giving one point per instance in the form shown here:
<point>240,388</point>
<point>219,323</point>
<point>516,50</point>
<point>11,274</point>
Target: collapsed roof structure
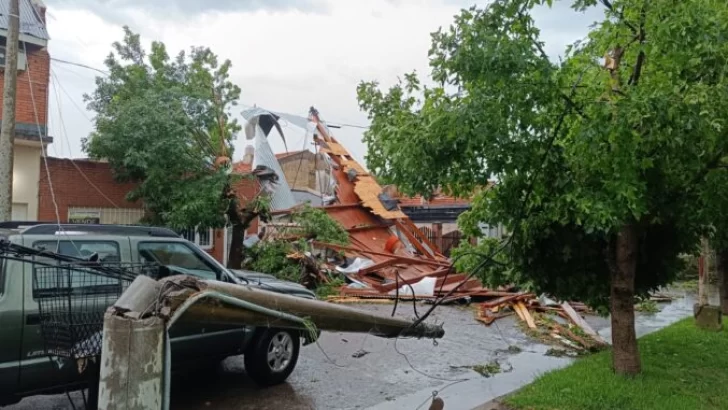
<point>387,252</point>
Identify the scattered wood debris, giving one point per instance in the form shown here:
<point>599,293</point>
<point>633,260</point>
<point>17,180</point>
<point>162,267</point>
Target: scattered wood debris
<point>559,322</point>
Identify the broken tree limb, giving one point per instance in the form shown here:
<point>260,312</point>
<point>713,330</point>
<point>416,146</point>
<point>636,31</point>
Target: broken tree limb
<point>324,316</point>
<point>579,321</point>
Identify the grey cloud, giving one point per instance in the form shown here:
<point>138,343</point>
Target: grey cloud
<point>117,11</point>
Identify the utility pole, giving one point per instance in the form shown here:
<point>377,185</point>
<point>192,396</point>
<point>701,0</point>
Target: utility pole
<point>7,131</point>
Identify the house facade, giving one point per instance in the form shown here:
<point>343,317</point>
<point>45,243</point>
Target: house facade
<point>31,113</point>
<point>84,191</point>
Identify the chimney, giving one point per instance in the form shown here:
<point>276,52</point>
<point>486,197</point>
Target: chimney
<point>248,156</point>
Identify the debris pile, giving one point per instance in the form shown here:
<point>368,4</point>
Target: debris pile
<point>545,319</point>
<point>385,256</point>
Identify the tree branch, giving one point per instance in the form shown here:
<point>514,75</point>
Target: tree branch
<point>635,77</point>
<point>569,100</point>
<point>610,7</point>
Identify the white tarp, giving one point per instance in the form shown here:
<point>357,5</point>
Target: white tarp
<point>425,287</point>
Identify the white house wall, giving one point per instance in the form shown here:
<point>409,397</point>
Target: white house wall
<point>26,177</point>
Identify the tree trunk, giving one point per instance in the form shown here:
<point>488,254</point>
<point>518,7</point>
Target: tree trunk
<point>625,354</point>
<point>235,256</point>
<point>703,272</point>
<point>240,221</point>
<point>722,271</point>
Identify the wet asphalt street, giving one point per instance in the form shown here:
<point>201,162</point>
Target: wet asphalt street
<point>386,374</point>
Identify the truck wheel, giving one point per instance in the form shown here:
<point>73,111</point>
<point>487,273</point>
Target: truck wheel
<point>272,356</point>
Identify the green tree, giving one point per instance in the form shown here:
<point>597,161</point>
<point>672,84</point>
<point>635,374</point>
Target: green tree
<point>164,123</point>
<point>598,158</point>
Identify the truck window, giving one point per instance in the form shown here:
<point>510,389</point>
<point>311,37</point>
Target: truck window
<point>108,251</point>
<point>176,254</point>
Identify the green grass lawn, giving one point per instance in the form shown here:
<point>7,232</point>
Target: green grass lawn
<point>682,368</point>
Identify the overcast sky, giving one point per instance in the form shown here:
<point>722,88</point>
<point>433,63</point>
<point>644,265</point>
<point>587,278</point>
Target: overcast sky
<point>287,54</point>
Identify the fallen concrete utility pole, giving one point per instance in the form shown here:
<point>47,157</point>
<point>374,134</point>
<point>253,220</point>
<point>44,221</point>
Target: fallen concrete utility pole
<point>323,315</point>
<point>135,358</point>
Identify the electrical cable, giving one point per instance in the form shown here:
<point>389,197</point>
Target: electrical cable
<point>44,154</point>
<point>64,135</point>
<point>58,60</point>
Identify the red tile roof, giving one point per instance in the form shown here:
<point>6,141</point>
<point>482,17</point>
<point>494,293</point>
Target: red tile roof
<point>242,168</point>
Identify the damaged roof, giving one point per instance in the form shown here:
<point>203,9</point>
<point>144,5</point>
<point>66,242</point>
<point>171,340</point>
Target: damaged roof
<point>31,22</point>
<point>380,232</point>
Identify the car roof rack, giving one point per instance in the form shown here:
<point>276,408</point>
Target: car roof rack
<point>23,224</point>
<point>45,228</point>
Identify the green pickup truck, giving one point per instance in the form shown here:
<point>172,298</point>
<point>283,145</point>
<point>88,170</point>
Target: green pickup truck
<point>25,369</point>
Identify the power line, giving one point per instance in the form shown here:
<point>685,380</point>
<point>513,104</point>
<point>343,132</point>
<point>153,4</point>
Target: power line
<point>58,60</point>
<point>55,77</point>
<point>56,85</point>
<point>344,125</point>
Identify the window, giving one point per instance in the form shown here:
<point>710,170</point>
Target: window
<point>177,254</point>
<point>200,237</point>
<point>88,281</point>
<point>108,251</point>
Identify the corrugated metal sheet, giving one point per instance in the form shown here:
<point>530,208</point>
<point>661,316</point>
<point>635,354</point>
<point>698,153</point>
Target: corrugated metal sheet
<point>30,21</point>
<point>281,197</point>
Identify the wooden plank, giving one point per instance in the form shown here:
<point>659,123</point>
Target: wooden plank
<point>527,315</point>
<point>423,261</point>
<point>518,312</point>
<point>414,241</point>
<point>505,299</point>
<point>579,321</point>
<point>418,233</point>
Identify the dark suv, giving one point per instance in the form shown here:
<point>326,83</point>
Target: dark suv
<point>26,370</point>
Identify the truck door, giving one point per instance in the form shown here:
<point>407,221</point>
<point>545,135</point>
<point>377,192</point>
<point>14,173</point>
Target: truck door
<point>38,371</point>
<point>11,322</point>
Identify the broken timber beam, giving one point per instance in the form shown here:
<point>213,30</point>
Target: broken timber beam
<point>579,321</point>
<point>421,261</point>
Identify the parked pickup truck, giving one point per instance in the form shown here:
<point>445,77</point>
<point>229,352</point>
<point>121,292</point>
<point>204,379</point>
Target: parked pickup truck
<point>269,354</point>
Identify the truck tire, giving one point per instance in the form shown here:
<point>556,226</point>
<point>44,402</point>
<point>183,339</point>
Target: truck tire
<point>272,356</point>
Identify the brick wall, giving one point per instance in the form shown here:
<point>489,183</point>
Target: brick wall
<point>73,190</point>
<point>39,68</point>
